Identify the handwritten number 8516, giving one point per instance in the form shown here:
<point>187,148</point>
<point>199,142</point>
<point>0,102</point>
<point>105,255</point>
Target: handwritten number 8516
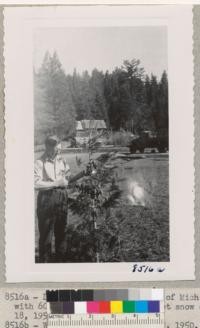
<point>146,268</point>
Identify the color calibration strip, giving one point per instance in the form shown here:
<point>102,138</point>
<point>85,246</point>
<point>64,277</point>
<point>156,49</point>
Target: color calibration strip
<point>104,307</point>
<point>131,294</point>
<point>112,301</point>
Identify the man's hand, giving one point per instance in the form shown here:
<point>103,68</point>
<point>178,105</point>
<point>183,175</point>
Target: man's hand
<point>61,183</point>
<point>91,168</point>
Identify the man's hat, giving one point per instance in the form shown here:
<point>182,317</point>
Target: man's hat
<point>52,141</point>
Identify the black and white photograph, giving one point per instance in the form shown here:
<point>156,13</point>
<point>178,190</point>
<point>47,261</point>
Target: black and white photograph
<point>101,144</point>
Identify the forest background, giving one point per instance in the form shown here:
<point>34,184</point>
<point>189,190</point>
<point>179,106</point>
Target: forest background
<point>126,98</point>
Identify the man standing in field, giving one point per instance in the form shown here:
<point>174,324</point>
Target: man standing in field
<point>51,180</point>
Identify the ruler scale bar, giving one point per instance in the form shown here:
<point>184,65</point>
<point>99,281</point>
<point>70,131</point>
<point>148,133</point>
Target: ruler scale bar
<point>140,321</point>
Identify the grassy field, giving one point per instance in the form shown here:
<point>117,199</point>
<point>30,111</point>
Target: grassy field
<point>143,231</point>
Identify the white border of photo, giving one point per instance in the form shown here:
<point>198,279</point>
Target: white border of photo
<point>20,24</point>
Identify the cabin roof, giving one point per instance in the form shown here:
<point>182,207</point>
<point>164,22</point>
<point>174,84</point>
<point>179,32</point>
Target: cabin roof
<point>90,124</point>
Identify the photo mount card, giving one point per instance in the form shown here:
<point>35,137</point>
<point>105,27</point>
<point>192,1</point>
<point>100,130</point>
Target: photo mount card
<point>99,143</point>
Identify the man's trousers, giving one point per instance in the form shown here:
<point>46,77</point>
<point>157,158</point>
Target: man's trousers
<point>52,206</point>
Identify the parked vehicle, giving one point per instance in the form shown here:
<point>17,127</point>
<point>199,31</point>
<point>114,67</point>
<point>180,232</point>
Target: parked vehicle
<point>149,140</point>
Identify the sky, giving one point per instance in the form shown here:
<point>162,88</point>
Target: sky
<point>104,48</point>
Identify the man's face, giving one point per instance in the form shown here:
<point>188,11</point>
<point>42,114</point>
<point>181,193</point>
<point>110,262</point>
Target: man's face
<point>58,148</point>
<point>53,151</point>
